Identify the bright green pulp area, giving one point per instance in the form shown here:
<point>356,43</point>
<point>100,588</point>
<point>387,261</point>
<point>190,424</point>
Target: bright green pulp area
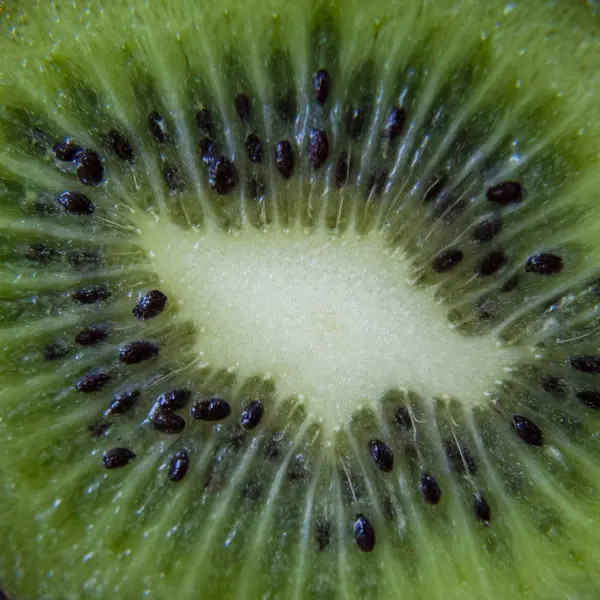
<point>519,78</point>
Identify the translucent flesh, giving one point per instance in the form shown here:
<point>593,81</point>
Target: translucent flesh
<point>492,91</point>
<point>334,321</point>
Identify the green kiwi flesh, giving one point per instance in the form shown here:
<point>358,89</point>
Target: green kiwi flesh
<point>366,369</point>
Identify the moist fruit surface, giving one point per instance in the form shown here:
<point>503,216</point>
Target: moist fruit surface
<point>299,300</point>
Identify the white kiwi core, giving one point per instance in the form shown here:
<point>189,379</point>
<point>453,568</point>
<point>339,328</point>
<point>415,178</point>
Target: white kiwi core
<point>333,321</point>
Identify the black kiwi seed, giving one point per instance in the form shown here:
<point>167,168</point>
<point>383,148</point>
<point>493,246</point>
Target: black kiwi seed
<point>254,148</point>
<point>173,399</point>
<point>586,363</point>
<point>136,352</point>
<point>215,409</point>
<point>318,148</point>
<point>91,336</point>
<point>544,264</point>
<point>446,260</point>
<point>528,431</point>
<point>481,508</point>
<point>402,418</point>
<point>505,193</point>
<point>66,150</point>
<point>158,127</point>
<point>222,176</point>
<point>590,398</point>
<point>486,230</point>
<point>168,422</point>
<point>434,189</point>
<point>179,466</point>
<point>150,305</point>
<point>207,147</point>
<point>355,121</point>
<point>256,188</point>
<point>491,263</point>
<point>242,107</point>
<point>252,414</point>
<point>553,385</point>
<point>117,457</point>
<point>89,168</point>
<point>120,145</point>
<point>364,534</point>
<point>430,489</point>
<point>342,170</point>
<point>204,120</point>
<point>76,203</point>
<point>322,534</point>
<point>56,350</point>
<point>321,83</point>
<point>461,458</point>
<point>382,455</point>
<point>41,253</point>
<point>284,158</point>
<point>91,295</point>
<point>123,402</point>
<point>92,382</point>
<point>395,122</point>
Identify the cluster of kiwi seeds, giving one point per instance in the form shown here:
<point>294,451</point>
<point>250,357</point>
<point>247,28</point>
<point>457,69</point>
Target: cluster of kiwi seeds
<point>141,457</point>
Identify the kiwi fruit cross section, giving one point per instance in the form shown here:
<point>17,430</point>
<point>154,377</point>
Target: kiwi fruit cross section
<point>299,300</point>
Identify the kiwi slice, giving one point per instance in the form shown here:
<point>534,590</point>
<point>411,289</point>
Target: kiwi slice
<point>299,300</point>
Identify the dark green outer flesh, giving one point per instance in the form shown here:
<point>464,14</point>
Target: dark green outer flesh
<point>74,530</point>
